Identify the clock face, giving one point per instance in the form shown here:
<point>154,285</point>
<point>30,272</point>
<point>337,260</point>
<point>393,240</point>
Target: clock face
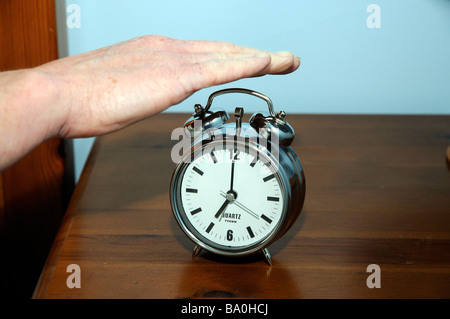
<point>230,199</point>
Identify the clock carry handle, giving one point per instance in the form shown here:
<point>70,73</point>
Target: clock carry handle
<point>244,91</point>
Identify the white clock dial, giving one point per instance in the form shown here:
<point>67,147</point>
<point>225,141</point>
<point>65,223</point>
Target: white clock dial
<point>231,198</point>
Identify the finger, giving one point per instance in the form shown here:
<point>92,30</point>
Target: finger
<point>294,66</point>
<point>221,71</point>
<point>195,46</point>
<point>168,59</point>
<point>281,63</point>
<point>206,57</point>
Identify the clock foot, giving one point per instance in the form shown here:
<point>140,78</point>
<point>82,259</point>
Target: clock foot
<point>196,251</point>
<point>267,256</point>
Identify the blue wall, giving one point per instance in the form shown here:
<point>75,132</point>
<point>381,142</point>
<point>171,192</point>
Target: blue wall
<point>347,67</point>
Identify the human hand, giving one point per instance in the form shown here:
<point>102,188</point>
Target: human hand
<point>104,90</point>
<point>112,87</point>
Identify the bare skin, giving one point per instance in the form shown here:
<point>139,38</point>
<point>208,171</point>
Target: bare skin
<point>101,91</point>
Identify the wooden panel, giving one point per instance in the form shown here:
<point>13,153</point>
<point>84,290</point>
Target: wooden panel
<point>2,208</point>
<point>28,33</point>
<point>3,267</point>
<point>377,192</point>
<point>33,188</point>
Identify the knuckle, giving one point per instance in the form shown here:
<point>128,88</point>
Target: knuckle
<point>229,47</point>
<point>154,40</point>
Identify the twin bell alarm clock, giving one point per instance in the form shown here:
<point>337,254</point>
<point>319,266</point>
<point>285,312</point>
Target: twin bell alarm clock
<point>240,186</point>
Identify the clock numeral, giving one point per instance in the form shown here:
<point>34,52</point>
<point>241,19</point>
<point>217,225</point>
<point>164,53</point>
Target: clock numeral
<point>236,156</point>
<point>268,178</point>
<point>191,190</point>
<point>230,235</point>
<point>273,199</point>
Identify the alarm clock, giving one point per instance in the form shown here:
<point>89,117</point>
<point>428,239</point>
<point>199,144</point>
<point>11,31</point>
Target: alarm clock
<point>240,186</point>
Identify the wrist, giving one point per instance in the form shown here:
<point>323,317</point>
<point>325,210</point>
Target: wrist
<point>30,114</point>
<point>45,102</point>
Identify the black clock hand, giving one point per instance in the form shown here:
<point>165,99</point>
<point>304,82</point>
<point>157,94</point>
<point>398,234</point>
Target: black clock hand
<point>222,208</point>
<point>232,176</point>
<point>239,112</point>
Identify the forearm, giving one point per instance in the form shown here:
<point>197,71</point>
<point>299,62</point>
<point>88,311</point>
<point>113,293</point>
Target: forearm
<point>30,113</point>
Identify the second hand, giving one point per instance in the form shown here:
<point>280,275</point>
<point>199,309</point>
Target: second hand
<point>241,206</point>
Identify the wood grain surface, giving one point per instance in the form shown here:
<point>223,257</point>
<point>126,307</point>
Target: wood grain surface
<point>377,192</point>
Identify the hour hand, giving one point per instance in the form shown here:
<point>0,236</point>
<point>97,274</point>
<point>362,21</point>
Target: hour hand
<point>222,208</point>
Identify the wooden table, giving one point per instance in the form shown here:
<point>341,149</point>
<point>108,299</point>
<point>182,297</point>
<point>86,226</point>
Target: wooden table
<point>378,192</point>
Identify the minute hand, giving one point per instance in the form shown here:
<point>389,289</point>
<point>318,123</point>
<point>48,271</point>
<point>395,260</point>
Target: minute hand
<point>232,176</point>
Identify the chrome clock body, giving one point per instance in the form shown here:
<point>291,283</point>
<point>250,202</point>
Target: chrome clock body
<point>241,186</point>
